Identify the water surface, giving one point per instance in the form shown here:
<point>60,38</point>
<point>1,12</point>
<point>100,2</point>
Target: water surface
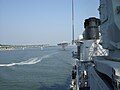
<point>35,69</point>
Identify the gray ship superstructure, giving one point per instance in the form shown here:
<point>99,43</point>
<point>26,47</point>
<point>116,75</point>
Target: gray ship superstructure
<point>98,53</point>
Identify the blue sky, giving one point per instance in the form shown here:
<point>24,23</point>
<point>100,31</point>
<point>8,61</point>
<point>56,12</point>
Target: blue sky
<point>42,21</point>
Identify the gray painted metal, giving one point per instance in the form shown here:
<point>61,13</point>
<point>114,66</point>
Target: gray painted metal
<point>96,83</point>
<point>91,28</point>
<point>108,66</point>
<point>110,23</point>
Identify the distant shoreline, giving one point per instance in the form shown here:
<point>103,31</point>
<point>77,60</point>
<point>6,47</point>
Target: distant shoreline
<point>6,49</point>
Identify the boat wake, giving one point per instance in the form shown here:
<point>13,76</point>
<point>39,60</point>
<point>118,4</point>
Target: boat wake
<point>29,61</point>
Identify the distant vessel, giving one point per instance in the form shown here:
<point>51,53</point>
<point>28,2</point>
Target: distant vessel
<point>23,48</point>
<point>63,45</point>
<point>98,53</point>
<point>41,47</point>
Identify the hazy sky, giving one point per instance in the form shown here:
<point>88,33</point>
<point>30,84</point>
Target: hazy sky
<point>42,21</point>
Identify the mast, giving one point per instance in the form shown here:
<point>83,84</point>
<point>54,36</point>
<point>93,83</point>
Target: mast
<point>72,22</point>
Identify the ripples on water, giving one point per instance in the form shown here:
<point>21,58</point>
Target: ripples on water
<point>33,69</point>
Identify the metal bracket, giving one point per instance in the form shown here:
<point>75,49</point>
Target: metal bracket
<point>118,9</point>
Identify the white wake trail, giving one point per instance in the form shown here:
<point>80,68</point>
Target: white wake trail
<point>29,61</point>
